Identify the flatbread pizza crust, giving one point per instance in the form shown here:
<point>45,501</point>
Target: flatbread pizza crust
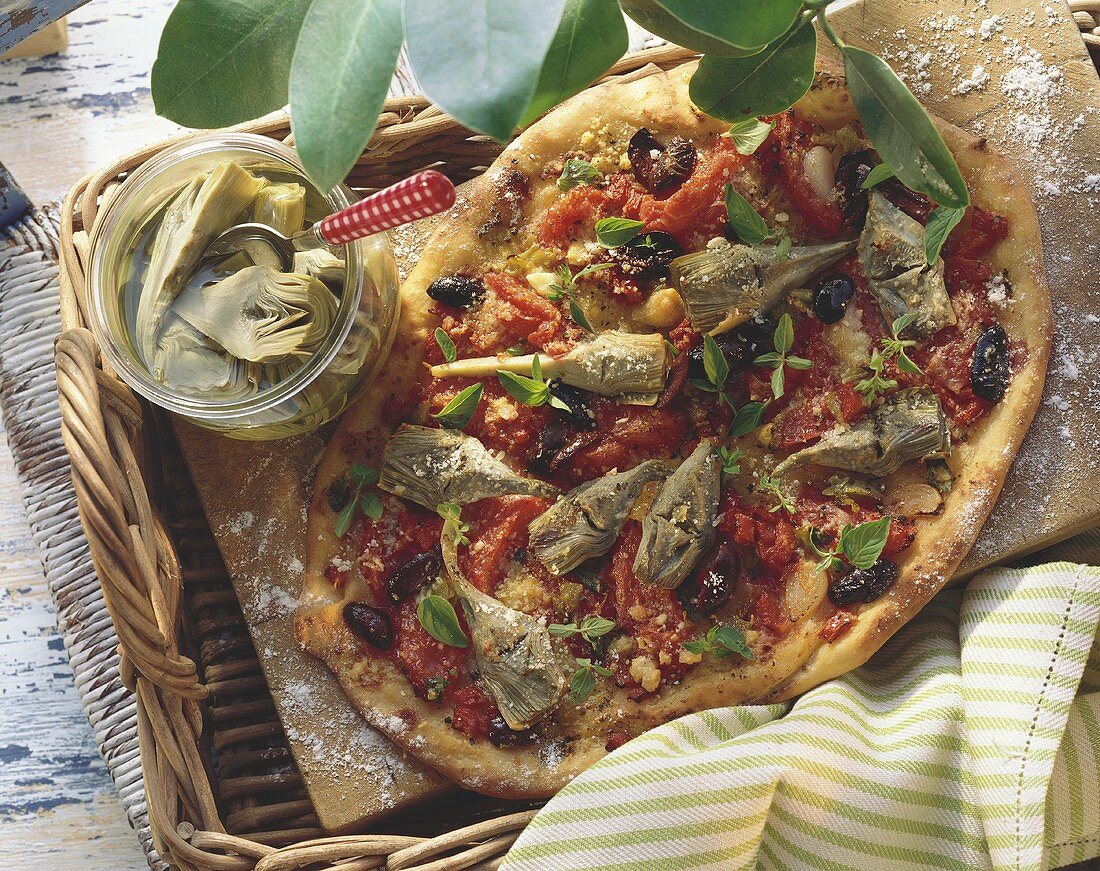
<point>659,102</point>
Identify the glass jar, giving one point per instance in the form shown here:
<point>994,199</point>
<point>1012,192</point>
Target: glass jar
<point>323,384</point>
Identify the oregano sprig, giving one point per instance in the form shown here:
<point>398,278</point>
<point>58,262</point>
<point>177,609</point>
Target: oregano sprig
<point>458,412</point>
<point>773,486</point>
<point>454,527</point>
<point>731,460</point>
<point>781,358</point>
<point>583,680</point>
<point>720,642</point>
<point>566,286</point>
<point>367,503</point>
<point>530,390</point>
<point>576,172</point>
<point>860,545</point>
<point>591,627</point>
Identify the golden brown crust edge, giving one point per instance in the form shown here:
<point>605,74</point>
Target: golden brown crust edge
<point>378,688</point>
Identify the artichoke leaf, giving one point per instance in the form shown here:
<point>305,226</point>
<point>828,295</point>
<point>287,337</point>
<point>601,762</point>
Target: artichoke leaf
<point>628,366</point>
<point>203,209</point>
<point>725,285</point>
<point>282,207</point>
<point>320,263</point>
<point>586,521</point>
<point>185,360</point>
<point>432,466</point>
<point>891,253</point>
<point>261,314</point>
<point>514,652</point>
<point>909,425</point>
<point>680,524</point>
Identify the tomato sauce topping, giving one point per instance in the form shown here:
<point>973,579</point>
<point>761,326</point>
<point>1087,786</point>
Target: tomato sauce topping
<point>498,528</point>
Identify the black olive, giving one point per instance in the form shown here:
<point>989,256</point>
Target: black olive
<point>863,585</point>
<point>457,291</point>
<point>580,415</point>
<point>502,736</point>
<point>851,172</point>
<point>647,255</point>
<point>660,169</point>
<point>831,297</point>
<point>739,347</point>
<point>338,494</point>
<point>370,624</point>
<point>713,582</point>
<point>409,577</point>
<point>545,447</point>
<point>989,369</point>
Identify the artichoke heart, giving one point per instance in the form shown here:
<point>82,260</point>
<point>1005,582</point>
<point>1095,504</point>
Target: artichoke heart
<point>891,252</point>
<point>514,651</point>
<point>260,314</point>
<point>910,425</point>
<point>187,361</point>
<point>725,285</point>
<point>630,367</point>
<point>680,523</point>
<point>585,522</point>
<point>431,466</point>
<point>282,207</point>
<point>205,207</point>
<point>320,263</point>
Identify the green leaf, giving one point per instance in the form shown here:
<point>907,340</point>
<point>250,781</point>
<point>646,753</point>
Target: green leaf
<point>440,621</point>
<point>730,639</point>
<point>579,317</point>
<point>941,222</point>
<point>714,363</point>
<point>563,630</point>
<point>536,368</point>
<point>749,135</point>
<point>480,60</point>
<point>877,175</point>
<point>345,518</point>
<point>457,413</point>
<point>590,37</point>
<point>582,683</point>
<point>778,382</point>
<point>730,27</point>
<point>613,232</point>
<point>362,475</point>
<point>783,248</point>
<point>222,63</point>
<point>702,384</point>
<point>453,525</point>
<point>371,505</point>
<point>575,172</point>
<point>699,646</point>
<point>554,402</point>
<point>907,365</point>
<point>731,460</point>
<point>342,69</point>
<point>768,358</point>
<point>800,363</point>
<point>901,130</point>
<point>594,626</point>
<point>901,324</point>
<point>526,390</point>
<point>784,334</point>
<point>744,219</point>
<point>748,417</point>
<point>765,84</point>
<point>446,345</point>
<point>862,545</point>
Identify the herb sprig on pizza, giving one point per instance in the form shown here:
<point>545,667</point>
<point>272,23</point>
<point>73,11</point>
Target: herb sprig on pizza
<point>677,416</point>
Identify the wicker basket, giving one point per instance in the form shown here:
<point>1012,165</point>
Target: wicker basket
<point>221,788</point>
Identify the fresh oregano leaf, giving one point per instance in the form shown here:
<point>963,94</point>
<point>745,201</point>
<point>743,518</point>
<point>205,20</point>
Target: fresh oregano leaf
<point>714,363</point>
<point>440,621</point>
<point>457,413</point>
<point>578,316</point>
<point>341,73</point>
<point>446,345</point>
<point>591,36</point>
<point>454,526</point>
<point>745,220</point>
<point>730,639</point>
<point>901,130</point>
<point>877,175</point>
<point>222,63</point>
<point>575,172</point>
<point>529,391</point>
<point>613,232</point>
<point>766,83</point>
<point>749,134</point>
<point>480,60</point>
<point>784,334</point>
<point>344,518</point>
<point>862,545</point>
<point>748,417</point>
<point>371,505</point>
<point>941,222</point>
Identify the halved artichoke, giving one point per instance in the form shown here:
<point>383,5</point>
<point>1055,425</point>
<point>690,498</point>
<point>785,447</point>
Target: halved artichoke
<point>282,207</point>
<point>260,314</point>
<point>726,285</point>
<point>909,425</point>
<point>205,207</point>
<point>432,466</point>
<point>514,651</point>
<point>680,524</point>
<point>628,366</point>
<point>585,522</point>
<point>185,360</point>
<point>891,253</point>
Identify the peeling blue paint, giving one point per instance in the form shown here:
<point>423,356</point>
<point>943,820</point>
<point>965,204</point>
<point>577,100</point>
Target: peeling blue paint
<point>13,753</point>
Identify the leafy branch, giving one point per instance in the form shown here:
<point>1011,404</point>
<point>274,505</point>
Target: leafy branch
<point>221,62</point>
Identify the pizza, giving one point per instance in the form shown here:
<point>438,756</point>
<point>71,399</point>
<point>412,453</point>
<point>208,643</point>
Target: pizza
<point>670,422</point>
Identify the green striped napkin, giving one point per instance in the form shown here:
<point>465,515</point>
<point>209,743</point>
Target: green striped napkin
<point>971,740</point>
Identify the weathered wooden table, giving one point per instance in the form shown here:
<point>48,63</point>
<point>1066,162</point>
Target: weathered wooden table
<point>61,116</point>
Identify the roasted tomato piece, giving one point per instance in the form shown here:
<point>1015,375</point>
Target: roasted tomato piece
<point>422,657</point>
<point>498,528</point>
<point>624,435</point>
<point>474,712</point>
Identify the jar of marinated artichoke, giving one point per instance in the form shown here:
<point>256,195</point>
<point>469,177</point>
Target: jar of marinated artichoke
<point>241,345</point>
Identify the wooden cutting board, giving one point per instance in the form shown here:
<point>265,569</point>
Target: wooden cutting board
<point>1005,69</point>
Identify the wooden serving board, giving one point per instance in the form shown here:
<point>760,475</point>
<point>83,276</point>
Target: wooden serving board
<point>1036,95</point>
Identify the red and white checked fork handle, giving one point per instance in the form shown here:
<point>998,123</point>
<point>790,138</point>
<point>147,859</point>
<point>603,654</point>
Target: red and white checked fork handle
<point>426,193</point>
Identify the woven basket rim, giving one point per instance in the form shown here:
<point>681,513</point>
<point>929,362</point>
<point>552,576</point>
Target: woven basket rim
<point>107,435</point>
